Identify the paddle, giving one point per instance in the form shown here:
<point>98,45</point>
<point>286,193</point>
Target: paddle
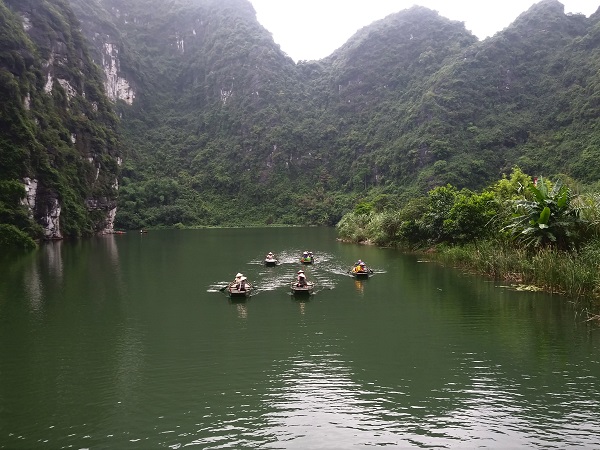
<point>231,283</point>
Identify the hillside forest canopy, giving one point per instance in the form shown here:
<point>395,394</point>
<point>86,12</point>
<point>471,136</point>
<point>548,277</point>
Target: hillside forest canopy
<point>222,128</point>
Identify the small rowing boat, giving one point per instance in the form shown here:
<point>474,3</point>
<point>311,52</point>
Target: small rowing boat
<point>304,289</point>
<point>361,271</point>
<point>307,258</point>
<point>236,293</point>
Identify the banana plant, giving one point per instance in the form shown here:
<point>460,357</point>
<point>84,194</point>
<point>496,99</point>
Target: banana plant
<point>546,217</point>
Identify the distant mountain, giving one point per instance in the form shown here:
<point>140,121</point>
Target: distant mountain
<point>219,126</point>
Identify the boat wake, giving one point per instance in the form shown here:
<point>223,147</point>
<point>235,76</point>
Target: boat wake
<point>325,273</point>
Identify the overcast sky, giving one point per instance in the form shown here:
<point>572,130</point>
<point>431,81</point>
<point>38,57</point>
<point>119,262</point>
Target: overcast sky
<point>313,29</point>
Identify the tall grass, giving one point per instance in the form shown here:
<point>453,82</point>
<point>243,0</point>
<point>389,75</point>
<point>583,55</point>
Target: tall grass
<point>574,274</point>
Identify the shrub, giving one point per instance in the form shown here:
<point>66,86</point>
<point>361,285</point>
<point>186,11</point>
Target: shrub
<point>11,238</point>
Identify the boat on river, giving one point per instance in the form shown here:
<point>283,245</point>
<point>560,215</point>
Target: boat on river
<point>235,293</point>
<point>271,261</point>
<point>307,258</point>
<point>361,272</point>
<point>239,288</point>
<point>304,289</point>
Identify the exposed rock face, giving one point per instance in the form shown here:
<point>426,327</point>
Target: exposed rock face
<point>48,215</point>
<point>64,146</point>
<point>51,220</point>
<point>110,226</point>
<point>26,22</point>
<point>106,226</point>
<point>30,194</point>
<point>117,88</point>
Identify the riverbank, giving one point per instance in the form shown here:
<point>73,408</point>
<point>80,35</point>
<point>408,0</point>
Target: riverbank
<point>573,274</point>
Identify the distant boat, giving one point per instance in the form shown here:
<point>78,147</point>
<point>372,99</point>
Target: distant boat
<point>271,261</point>
<point>307,259</point>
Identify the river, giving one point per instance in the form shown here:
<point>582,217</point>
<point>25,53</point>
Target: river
<point>126,341</point>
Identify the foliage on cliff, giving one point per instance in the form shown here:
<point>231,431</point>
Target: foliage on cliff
<point>57,127</point>
<point>226,129</point>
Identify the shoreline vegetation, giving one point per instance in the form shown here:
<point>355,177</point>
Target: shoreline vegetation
<point>574,275</point>
<point>531,233</point>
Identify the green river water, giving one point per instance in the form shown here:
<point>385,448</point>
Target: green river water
<point>126,341</point>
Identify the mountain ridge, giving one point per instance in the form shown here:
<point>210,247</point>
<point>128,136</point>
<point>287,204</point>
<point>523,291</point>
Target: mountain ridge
<point>215,118</point>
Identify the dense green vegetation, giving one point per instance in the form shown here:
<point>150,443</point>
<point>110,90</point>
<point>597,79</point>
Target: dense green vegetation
<point>527,231</point>
<point>226,129</point>
<point>224,120</point>
<point>56,125</point>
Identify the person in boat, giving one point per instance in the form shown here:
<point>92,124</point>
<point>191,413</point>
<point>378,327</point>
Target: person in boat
<point>307,256</point>
<point>270,255</point>
<point>236,280</point>
<point>360,267</point>
<point>243,285</point>
<point>301,279</point>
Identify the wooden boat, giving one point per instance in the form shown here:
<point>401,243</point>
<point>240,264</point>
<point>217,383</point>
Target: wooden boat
<point>361,274</point>
<point>271,261</point>
<point>307,289</point>
<point>233,292</point>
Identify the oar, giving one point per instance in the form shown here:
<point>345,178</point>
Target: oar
<point>224,287</point>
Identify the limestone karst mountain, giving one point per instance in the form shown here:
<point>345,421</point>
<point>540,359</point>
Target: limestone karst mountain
<point>217,125</point>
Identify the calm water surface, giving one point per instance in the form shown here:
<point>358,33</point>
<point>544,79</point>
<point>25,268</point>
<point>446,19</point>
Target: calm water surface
<point>127,342</point>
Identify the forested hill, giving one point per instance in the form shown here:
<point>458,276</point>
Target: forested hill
<point>219,126</point>
<point>58,142</point>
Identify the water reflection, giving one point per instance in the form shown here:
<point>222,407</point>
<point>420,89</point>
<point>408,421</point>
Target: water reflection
<point>302,305</point>
<point>316,403</point>
<point>242,310</point>
<point>49,262</point>
<point>33,288</point>
<point>112,249</point>
<point>359,286</point>
<point>132,352</point>
<point>53,254</point>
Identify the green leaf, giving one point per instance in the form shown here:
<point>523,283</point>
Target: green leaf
<point>544,216</point>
